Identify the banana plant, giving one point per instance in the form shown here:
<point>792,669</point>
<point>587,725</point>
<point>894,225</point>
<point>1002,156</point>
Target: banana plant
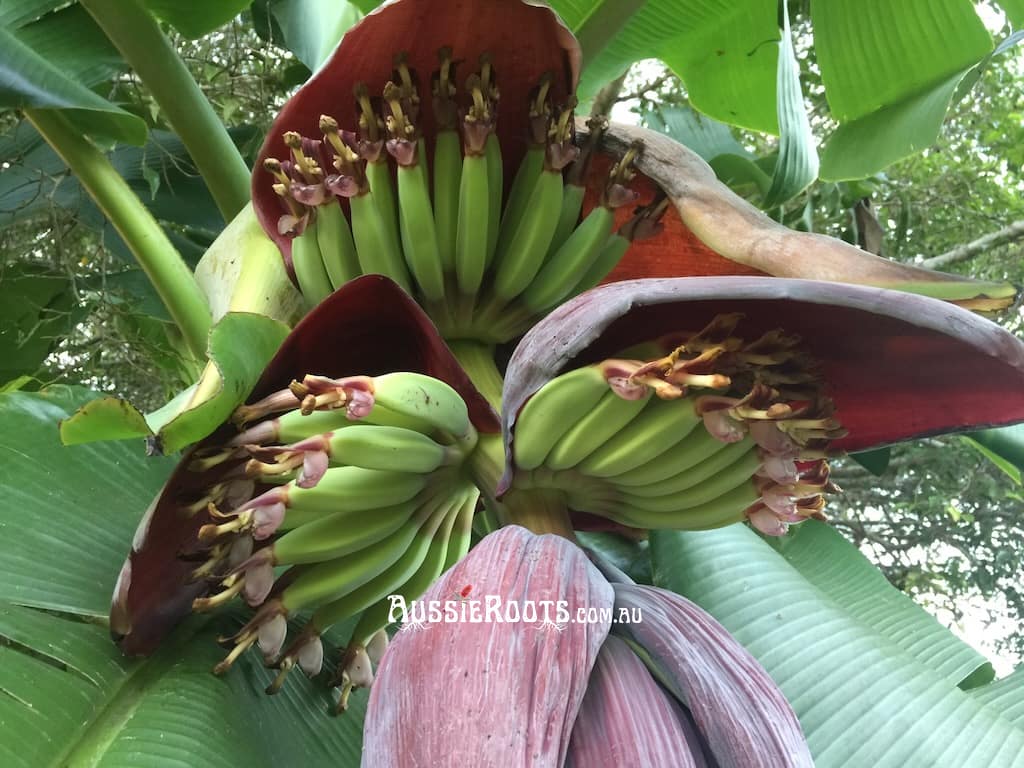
<point>431,195</point>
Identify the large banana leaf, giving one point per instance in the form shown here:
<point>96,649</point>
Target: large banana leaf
<point>67,697</point>
<point>53,62</point>
<point>871,682</point>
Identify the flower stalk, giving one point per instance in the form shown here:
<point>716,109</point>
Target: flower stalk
<point>155,253</point>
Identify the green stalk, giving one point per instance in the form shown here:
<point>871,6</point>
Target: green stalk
<point>487,461</point>
<point>158,258</point>
<point>148,51</point>
<point>478,361</point>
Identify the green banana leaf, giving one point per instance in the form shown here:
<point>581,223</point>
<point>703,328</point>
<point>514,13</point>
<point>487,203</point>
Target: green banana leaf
<point>1014,10</point>
<point>706,136</point>
<point>797,164</point>
<point>37,309</point>
<point>310,29</point>
<point>65,691</point>
<point>194,18</point>
<point>876,53</point>
<point>724,50</point>
<point>1004,447</point>
<point>871,682</point>
<point>53,62</point>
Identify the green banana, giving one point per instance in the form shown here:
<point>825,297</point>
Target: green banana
<point>560,403</point>
<point>293,426</point>
<point>462,531</point>
<point>734,460</point>
<point>337,248</point>
<point>340,533</point>
<point>447,180</point>
<point>697,447</point>
<point>495,188</point>
<point>561,271</point>
<point>379,252</point>
<point>382,189</point>
<point>350,488</point>
<point>569,216</point>
<point>660,426</point>
<point>419,236</point>
<point>331,580</point>
<point>604,421</point>
<point>309,266</point>
<point>472,233</point>
<point>529,171</point>
<point>523,257</point>
<point>420,396</point>
<point>425,557</point>
<point>702,493</point>
<point>410,583</point>
<point>387,448</point>
<point>611,253</point>
<point>724,510</point>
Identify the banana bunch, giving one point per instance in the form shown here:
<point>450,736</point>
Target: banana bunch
<point>365,494</point>
<point>483,263</point>
<point>671,442</point>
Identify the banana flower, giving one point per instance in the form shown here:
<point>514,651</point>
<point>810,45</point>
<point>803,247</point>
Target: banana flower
<point>430,182</point>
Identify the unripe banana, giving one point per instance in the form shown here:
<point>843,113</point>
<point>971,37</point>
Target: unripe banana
<point>410,583</point>
<point>495,188</point>
<point>386,448</point>
<point>523,257</point>
<point>419,237</point>
<point>698,446</point>
<point>611,254</point>
<point>732,461</point>
<point>724,510</point>
<point>293,426</point>
<point>700,494</point>
<point>569,216</point>
<point>425,555</point>
<point>519,195</point>
<point>309,266</point>
<point>337,248</point>
<point>447,179</point>
<point>341,533</point>
<point>601,424</point>
<point>552,411</point>
<point>330,580</point>
<point>660,426</point>
<point>344,488</point>
<point>379,252</point>
<point>382,191</point>
<point>473,225</point>
<point>560,273</point>
<point>419,396</point>
<point>462,531</point>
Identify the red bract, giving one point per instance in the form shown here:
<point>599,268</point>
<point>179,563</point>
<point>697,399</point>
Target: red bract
<point>897,366</point>
<point>368,327</point>
<point>525,40</point>
<point>495,690</point>
<point>501,691</point>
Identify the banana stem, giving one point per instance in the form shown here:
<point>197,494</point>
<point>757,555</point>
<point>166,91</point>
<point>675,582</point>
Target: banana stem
<point>478,361</point>
<point>540,511</point>
<point>148,51</point>
<point>157,256</point>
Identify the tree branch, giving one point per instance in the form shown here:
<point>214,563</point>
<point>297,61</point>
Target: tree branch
<point>1008,234</point>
